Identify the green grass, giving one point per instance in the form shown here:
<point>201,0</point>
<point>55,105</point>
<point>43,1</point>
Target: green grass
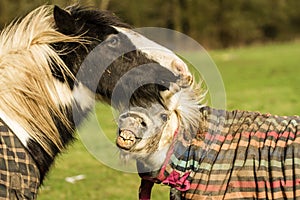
<point>261,78</point>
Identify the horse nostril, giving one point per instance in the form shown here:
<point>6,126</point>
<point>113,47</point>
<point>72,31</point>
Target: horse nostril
<point>143,124</point>
<point>186,79</point>
<point>179,66</point>
<point>164,117</point>
<point>123,116</point>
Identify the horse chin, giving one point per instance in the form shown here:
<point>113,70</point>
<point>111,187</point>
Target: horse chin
<point>126,139</point>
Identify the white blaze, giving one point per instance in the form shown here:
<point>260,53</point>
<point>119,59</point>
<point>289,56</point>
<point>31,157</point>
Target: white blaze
<point>156,52</point>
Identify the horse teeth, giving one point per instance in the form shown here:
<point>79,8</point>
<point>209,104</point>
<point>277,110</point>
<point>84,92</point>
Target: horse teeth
<point>126,139</point>
<point>127,135</point>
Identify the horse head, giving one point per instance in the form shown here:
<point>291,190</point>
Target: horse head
<point>115,58</point>
<point>147,133</point>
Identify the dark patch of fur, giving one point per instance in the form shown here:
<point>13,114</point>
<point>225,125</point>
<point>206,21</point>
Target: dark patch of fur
<point>90,24</point>
<point>138,83</point>
<point>41,158</point>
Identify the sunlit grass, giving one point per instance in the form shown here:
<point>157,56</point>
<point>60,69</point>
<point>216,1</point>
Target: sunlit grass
<point>264,78</point>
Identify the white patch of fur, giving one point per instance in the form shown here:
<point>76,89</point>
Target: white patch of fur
<point>62,94</point>
<point>83,96</point>
<point>157,159</point>
<point>16,128</point>
<point>65,96</point>
<point>156,52</point>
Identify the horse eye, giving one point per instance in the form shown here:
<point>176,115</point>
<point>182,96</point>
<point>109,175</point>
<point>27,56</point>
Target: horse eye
<point>164,117</point>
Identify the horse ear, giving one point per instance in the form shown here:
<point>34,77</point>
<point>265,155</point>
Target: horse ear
<point>64,21</point>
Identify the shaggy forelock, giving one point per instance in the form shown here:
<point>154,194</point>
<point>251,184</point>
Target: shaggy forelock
<point>103,17</point>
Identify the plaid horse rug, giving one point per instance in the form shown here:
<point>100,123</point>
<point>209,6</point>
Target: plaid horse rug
<point>238,155</point>
<point>19,175</point>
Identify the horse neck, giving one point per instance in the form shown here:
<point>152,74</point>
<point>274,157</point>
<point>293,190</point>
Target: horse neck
<point>75,108</point>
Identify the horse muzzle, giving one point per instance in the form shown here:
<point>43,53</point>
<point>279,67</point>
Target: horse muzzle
<point>126,139</point>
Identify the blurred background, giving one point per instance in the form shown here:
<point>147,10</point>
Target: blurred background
<point>254,43</point>
<point>214,24</point>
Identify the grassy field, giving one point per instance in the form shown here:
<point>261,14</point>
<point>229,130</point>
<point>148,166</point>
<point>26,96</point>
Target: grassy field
<point>261,78</point>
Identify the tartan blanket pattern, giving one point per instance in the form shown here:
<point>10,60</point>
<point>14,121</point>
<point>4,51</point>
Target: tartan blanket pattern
<point>240,155</point>
<point>19,175</point>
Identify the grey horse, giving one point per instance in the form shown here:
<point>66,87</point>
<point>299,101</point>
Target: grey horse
<point>207,153</point>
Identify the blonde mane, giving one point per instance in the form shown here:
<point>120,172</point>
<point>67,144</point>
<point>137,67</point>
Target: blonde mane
<point>28,94</point>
